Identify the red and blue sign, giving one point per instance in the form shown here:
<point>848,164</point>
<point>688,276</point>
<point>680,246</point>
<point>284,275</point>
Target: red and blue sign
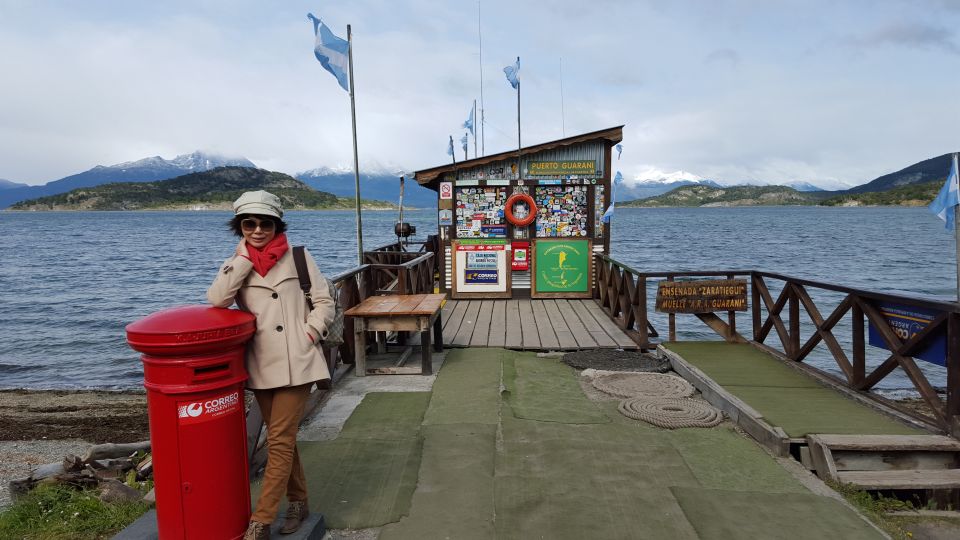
<point>908,321</point>
<point>480,277</point>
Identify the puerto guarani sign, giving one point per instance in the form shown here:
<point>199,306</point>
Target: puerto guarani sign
<point>702,296</point>
<point>908,321</point>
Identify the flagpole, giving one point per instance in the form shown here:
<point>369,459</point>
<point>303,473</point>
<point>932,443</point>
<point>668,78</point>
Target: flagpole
<point>956,236</point>
<point>356,161</point>
<point>483,133</point>
<point>519,145</point>
<point>475,155</point>
<point>563,124</point>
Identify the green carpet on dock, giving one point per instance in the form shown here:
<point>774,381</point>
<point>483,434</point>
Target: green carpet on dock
<point>784,396</point>
<point>509,447</point>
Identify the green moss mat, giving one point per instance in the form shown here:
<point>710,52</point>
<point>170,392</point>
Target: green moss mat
<point>800,411</point>
<point>740,364</point>
<point>454,497</point>
<point>544,389</point>
<point>387,415</point>
<point>785,397</point>
<point>358,483</point>
<point>722,458</point>
<point>587,481</point>
<point>467,389</point>
<point>730,515</point>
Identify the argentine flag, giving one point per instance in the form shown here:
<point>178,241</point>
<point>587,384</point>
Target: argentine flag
<point>948,197</point>
<point>513,73</point>
<point>469,123</point>
<point>331,51</point>
<point>617,180</point>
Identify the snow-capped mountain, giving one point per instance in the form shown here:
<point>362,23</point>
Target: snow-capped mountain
<point>376,183</point>
<point>652,182</point>
<point>142,170</point>
<point>656,176</point>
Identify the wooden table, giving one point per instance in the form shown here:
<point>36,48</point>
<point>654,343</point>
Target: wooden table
<point>398,313</point>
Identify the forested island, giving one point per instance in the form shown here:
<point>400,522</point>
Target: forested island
<point>215,189</point>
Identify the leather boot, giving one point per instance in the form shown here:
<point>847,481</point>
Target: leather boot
<point>297,511</point>
<point>257,531</point>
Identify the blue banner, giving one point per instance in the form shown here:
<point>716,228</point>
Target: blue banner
<point>908,321</point>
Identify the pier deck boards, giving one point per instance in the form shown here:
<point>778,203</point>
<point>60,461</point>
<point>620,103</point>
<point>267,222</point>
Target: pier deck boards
<point>564,325</point>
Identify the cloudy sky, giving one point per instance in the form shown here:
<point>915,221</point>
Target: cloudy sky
<point>825,91</point>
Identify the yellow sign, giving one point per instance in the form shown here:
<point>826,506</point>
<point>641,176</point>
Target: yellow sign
<point>562,168</point>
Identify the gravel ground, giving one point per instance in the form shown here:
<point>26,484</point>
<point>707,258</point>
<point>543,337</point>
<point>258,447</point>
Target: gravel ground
<point>18,458</point>
<point>39,427</point>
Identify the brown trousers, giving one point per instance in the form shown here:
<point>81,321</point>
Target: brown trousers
<point>282,410</point>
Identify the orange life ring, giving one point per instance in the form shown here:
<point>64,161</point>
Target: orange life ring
<point>514,199</point>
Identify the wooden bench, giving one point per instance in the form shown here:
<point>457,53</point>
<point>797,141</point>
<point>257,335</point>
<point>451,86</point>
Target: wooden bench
<point>398,313</point>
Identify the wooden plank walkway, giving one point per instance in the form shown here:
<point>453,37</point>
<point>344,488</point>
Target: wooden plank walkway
<point>538,325</point>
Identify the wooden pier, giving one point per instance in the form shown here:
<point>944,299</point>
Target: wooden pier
<point>533,325</point>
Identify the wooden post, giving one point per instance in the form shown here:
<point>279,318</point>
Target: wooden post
<point>794,336</point>
<point>732,317</point>
<point>360,341</point>
<point>672,318</point>
<point>859,347</point>
<point>642,310</point>
<point>953,374</point>
<point>755,309</point>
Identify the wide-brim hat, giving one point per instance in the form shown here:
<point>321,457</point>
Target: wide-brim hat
<point>258,202</point>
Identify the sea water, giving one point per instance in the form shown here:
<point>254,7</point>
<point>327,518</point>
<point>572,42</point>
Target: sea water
<point>71,281</point>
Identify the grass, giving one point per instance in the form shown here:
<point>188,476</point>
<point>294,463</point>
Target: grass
<point>877,508</point>
<point>53,512</point>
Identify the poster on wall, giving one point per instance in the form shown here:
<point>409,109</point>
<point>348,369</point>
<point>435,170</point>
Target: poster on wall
<point>480,212</point>
<point>480,269</point>
<point>561,211</point>
<point>562,268</point>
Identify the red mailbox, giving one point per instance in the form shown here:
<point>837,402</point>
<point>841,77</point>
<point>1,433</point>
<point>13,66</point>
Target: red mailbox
<point>194,375</point>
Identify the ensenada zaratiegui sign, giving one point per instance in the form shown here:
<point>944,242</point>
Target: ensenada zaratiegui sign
<point>583,167</point>
<point>702,296</point>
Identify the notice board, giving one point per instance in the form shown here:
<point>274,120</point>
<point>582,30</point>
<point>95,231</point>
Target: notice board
<point>562,268</point>
<point>480,269</point>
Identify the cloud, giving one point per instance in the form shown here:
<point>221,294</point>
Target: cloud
<point>723,57</point>
<point>910,34</point>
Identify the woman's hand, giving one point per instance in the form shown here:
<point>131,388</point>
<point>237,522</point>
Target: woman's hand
<point>242,249</point>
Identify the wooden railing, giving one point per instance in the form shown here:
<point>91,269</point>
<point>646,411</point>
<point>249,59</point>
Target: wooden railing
<point>623,293</point>
<point>388,270</point>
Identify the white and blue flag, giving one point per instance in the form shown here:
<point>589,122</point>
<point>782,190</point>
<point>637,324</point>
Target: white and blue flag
<point>450,147</point>
<point>463,143</point>
<point>619,148</point>
<point>948,198</point>
<point>469,123</point>
<point>513,73</point>
<point>617,180</point>
<point>332,52</point>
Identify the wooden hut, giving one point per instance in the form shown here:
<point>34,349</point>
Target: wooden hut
<point>525,223</point>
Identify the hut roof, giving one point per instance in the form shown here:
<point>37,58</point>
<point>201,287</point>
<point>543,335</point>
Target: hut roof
<point>430,177</point>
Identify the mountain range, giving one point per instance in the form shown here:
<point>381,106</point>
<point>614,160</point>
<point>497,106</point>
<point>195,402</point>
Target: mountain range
<point>379,185</point>
<point>383,185</point>
<point>215,189</point>
<point>143,170</point>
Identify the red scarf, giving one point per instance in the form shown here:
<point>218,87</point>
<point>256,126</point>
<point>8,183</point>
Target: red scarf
<point>263,259</point>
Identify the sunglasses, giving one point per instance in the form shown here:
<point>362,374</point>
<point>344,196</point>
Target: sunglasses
<point>250,225</point>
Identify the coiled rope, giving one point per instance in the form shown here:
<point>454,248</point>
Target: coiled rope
<point>628,385</point>
<point>671,413</point>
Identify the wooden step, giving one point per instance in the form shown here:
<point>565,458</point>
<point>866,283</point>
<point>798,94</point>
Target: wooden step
<point>905,443</point>
<point>915,479</point>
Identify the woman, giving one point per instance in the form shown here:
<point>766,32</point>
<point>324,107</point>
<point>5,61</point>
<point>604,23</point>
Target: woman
<point>283,359</point>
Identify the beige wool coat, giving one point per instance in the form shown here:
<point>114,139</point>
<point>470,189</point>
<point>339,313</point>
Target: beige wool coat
<point>281,353</point>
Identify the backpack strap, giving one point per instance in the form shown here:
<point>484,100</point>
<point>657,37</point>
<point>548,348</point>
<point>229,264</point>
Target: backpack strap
<point>300,260</point>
